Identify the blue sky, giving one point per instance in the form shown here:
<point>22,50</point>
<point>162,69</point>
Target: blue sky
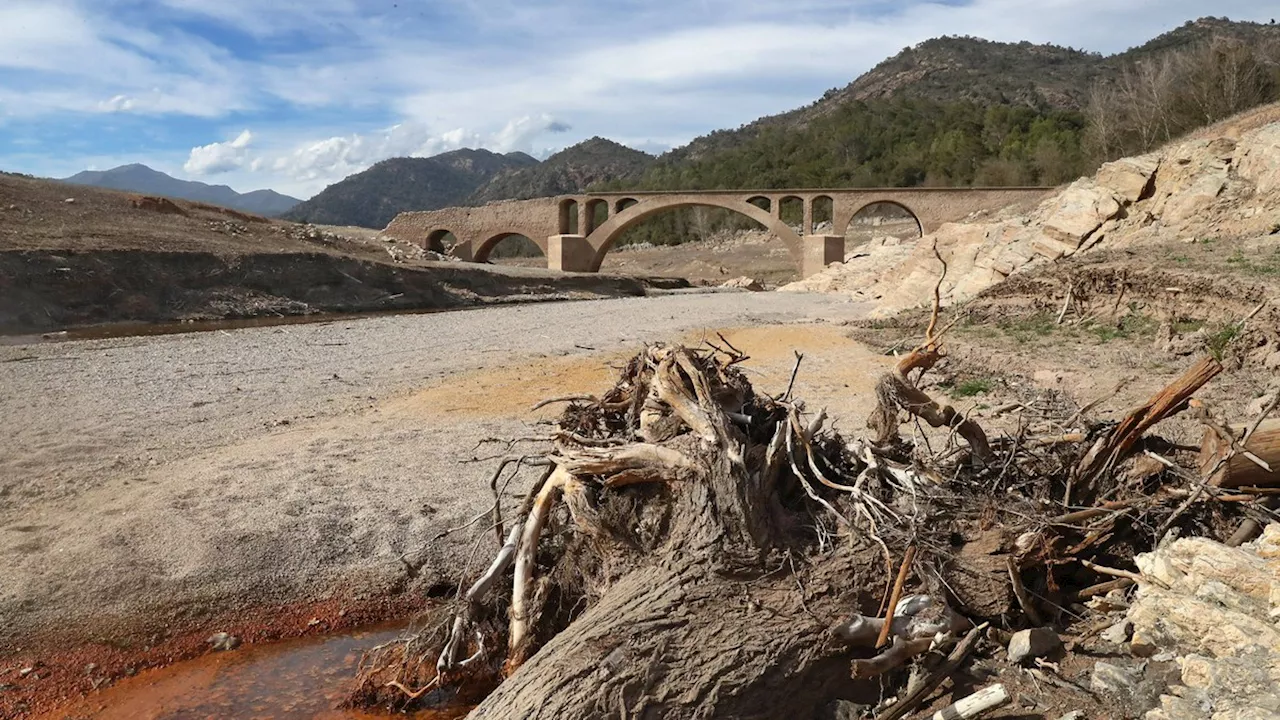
<point>296,94</point>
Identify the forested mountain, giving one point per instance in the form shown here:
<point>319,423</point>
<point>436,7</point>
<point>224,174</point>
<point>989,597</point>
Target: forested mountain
<point>373,197</point>
<point>571,170</point>
<point>949,111</point>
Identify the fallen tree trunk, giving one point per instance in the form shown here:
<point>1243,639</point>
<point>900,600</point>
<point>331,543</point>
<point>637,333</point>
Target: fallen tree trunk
<point>675,640</point>
<point>1236,469</point>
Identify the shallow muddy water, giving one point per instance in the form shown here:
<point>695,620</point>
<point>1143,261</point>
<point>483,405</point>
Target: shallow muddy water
<point>290,680</point>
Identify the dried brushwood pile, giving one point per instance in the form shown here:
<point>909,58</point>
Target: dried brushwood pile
<point>696,548</point>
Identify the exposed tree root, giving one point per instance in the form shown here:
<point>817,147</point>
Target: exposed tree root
<point>680,554</point>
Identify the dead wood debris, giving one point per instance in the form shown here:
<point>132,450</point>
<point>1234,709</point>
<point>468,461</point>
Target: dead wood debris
<point>1053,515</point>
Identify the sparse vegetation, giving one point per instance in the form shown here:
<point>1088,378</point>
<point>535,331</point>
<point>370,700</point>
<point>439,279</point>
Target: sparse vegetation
<point>1220,340</point>
<point>1158,98</point>
<point>1133,325</point>
<point>970,387</point>
<point>1027,329</point>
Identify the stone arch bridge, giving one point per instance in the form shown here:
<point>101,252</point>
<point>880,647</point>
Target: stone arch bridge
<point>576,231</point>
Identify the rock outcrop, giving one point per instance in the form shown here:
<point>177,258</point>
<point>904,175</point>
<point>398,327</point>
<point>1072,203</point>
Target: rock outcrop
<point>1215,607</point>
<point>1219,183</point>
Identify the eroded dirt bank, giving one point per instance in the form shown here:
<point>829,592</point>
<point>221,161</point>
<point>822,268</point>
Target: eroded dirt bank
<point>42,290</point>
<point>159,490</point>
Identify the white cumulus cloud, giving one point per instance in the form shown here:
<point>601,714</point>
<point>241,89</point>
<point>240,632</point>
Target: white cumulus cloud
<point>336,157</point>
<point>220,157</point>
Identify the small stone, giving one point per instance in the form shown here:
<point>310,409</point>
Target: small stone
<point>223,641</point>
<point>1034,643</point>
<point>1119,633</point>
<point>26,671</point>
<point>1073,715</point>
<point>69,201</point>
<point>1111,678</point>
<point>313,622</point>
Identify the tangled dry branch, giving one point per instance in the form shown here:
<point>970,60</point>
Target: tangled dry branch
<point>683,470</point>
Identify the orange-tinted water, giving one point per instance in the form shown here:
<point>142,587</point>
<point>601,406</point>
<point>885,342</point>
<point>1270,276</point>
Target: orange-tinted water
<point>291,680</point>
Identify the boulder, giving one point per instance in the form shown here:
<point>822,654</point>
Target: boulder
<point>1078,211</point>
<point>1034,643</point>
<point>1258,158</point>
<point>1129,178</point>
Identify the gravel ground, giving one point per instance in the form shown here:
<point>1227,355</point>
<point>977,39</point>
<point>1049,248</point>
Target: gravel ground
<point>146,479</point>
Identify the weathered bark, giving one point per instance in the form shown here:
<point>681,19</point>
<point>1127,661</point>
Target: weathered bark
<point>1112,447</point>
<point>1233,470</point>
<point>679,639</point>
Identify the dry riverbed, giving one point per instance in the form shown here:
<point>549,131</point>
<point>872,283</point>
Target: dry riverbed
<point>156,490</point>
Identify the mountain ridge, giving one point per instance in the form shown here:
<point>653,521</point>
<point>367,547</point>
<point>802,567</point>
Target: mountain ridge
<point>136,177</point>
<point>946,111</point>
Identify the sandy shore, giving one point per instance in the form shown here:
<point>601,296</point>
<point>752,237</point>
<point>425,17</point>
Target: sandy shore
<point>151,481</point>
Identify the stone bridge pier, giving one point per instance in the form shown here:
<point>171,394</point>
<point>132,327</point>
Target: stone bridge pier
<point>575,232</point>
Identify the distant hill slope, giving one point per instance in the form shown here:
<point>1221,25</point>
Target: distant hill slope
<point>953,70</point>
<point>949,111</point>
<point>142,179</point>
<point>571,170</point>
<point>373,197</point>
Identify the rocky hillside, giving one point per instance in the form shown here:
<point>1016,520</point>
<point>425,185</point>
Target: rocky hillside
<point>951,69</point>
<point>571,170</point>
<point>373,197</point>
<point>1198,210</point>
<point>142,179</point>
<point>933,104</point>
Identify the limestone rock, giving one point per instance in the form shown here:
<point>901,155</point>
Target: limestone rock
<point>1079,210</point>
<point>1215,612</point>
<point>1203,187</point>
<point>1118,633</point>
<point>1258,158</point>
<point>1128,178</point>
<point>1034,643</point>
<point>1115,679</point>
<point>744,282</point>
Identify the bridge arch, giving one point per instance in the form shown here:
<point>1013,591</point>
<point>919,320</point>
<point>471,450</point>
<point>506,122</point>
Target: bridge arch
<point>436,240</point>
<point>606,235</point>
<point>570,217</point>
<point>482,253</point>
<point>822,210</point>
<point>762,202</point>
<point>623,204</point>
<point>915,217</point>
<point>594,212</point>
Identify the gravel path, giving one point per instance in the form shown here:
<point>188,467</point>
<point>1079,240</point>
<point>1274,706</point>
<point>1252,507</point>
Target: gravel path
<point>145,478</point>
